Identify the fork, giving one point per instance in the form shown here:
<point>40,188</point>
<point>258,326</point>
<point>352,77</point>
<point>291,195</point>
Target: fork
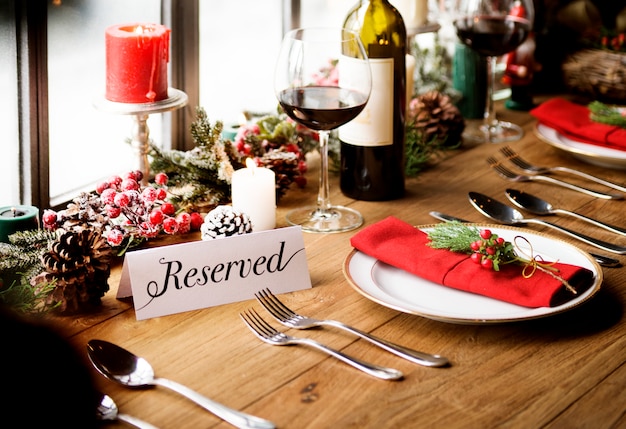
<point>268,334</point>
<point>516,159</point>
<point>509,175</point>
<point>291,319</point>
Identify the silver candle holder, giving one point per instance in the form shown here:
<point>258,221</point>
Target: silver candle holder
<point>140,131</point>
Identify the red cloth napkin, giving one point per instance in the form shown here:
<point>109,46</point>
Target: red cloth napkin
<point>403,246</point>
<point>572,121</point>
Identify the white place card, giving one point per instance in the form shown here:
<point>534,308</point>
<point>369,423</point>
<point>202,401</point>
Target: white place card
<point>189,276</point>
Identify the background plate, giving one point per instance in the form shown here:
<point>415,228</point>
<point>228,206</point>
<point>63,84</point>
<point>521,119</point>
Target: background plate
<point>400,290</point>
<point>590,153</point>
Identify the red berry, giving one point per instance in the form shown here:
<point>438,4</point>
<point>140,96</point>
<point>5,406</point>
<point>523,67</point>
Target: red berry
<point>149,195</point>
<point>138,175</point>
<point>300,181</point>
<point>168,209</point>
<point>115,237</point>
<point>500,241</point>
<point>113,212</point>
<point>490,250</point>
<point>129,185</point>
<point>156,217</point>
<point>302,167</point>
<point>100,187</point>
<point>108,196</point>
<point>122,199</point>
<point>476,245</point>
<point>196,221</point>
<point>487,263</point>
<point>49,218</point>
<point>170,226</point>
<point>485,234</point>
<point>161,179</point>
<point>114,181</point>
<point>184,222</point>
<point>476,257</point>
<point>161,194</point>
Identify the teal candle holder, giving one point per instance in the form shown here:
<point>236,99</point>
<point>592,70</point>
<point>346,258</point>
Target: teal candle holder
<point>17,218</point>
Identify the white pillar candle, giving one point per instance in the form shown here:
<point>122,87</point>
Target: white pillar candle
<point>254,193</point>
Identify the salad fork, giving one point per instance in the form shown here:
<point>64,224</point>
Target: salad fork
<point>516,159</point>
<point>514,177</point>
<point>291,319</point>
<point>268,334</point>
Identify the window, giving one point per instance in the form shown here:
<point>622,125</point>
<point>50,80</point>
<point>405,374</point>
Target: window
<point>55,142</point>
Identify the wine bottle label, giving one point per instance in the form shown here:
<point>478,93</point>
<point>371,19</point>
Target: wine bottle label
<point>374,125</point>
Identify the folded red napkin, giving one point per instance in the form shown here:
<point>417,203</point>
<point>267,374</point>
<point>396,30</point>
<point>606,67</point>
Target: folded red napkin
<point>403,246</point>
<point>572,121</point>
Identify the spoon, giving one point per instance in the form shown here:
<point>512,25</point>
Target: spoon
<point>120,365</point>
<point>508,215</point>
<point>541,207</point>
<point>603,260</point>
<point>107,410</point>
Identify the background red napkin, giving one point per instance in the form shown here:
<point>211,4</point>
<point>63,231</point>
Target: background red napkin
<point>572,121</point>
<point>403,246</point>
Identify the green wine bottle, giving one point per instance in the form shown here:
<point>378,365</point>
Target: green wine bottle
<point>372,145</point>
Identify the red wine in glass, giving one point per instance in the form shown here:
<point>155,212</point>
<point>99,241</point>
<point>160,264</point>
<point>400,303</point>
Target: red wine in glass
<point>322,102</point>
<point>493,28</point>
<point>322,107</point>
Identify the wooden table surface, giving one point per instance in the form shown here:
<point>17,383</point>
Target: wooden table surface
<point>562,371</point>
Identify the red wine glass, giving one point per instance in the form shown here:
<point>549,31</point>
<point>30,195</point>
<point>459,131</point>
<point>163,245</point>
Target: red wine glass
<point>322,81</point>
<point>493,28</point>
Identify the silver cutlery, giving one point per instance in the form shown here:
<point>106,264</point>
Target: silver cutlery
<point>120,365</point>
<point>107,410</point>
<point>603,260</point>
<point>514,177</point>
<point>268,334</point>
<point>541,207</point>
<point>502,213</point>
<point>291,319</point>
<point>516,159</point>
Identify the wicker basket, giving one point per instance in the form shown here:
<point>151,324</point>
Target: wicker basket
<point>599,73</point>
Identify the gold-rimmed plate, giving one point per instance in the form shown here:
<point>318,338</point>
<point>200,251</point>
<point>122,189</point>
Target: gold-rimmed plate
<point>402,291</point>
<point>587,152</point>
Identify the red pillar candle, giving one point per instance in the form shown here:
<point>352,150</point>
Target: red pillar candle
<point>136,63</point>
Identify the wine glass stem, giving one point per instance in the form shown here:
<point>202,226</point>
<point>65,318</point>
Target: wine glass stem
<point>490,107</point>
<point>323,196</point>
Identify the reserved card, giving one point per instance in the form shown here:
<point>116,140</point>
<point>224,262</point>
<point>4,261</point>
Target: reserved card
<point>189,276</point>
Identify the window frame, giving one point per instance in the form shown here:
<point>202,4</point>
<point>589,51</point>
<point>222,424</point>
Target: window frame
<point>182,17</point>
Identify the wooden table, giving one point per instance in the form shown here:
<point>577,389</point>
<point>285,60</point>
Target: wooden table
<point>562,371</point>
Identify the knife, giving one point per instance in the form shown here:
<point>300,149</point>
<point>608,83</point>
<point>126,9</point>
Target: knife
<point>605,261</point>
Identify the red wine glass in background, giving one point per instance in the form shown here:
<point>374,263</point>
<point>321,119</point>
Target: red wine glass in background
<point>322,81</point>
<point>493,28</point>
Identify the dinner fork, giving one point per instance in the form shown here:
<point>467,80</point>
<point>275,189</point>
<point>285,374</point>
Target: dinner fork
<point>291,319</point>
<point>514,177</point>
<point>516,159</point>
<point>268,334</point>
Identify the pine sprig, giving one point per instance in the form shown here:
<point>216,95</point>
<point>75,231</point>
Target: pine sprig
<point>487,249</point>
<point>604,114</point>
<point>454,236</point>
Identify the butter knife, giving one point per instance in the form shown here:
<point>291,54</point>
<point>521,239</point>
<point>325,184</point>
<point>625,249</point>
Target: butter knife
<point>605,261</point>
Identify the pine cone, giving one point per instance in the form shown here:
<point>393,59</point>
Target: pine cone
<point>224,221</point>
<point>437,117</point>
<point>285,165</point>
<point>78,262</point>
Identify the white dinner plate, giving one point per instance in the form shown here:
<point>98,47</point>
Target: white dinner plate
<point>587,152</point>
<point>400,290</point>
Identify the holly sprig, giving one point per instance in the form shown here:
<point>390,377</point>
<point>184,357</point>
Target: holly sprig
<point>488,250</point>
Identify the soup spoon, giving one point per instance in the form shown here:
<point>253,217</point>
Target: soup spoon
<point>120,365</point>
<point>502,213</point>
<point>541,207</point>
<point>107,410</point>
